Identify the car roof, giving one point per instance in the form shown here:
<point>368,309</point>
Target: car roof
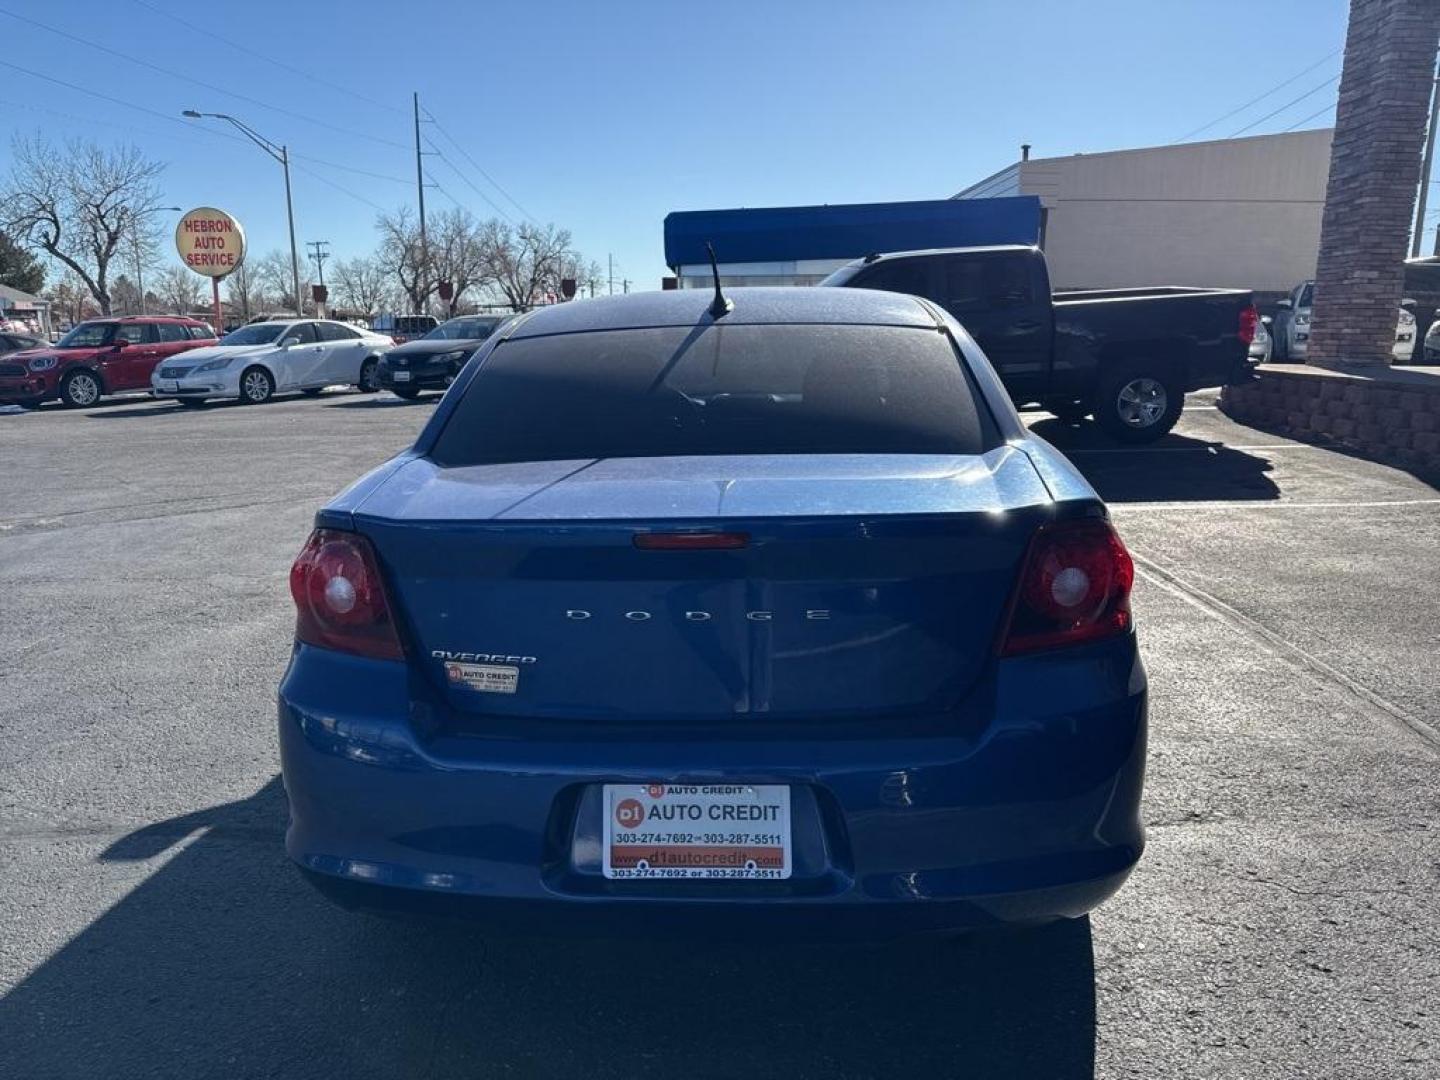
<point>143,318</point>
<point>750,306</point>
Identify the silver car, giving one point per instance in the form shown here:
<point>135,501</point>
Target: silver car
<point>1291,329</point>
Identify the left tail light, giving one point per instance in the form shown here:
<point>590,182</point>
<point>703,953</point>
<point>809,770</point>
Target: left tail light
<point>340,600</point>
<point>1249,320</point>
<point>1074,588</point>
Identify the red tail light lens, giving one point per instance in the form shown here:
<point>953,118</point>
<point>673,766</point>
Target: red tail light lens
<point>1249,319</point>
<point>340,599</point>
<point>1074,588</point>
<point>691,541</point>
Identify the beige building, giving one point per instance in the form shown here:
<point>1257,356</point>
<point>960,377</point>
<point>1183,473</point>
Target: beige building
<point>1241,213</point>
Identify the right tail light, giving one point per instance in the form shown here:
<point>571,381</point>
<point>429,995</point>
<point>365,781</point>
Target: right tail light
<point>1249,320</point>
<point>1074,588</point>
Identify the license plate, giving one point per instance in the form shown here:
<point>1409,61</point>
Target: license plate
<point>169,384</point>
<point>738,831</point>
<point>400,376</point>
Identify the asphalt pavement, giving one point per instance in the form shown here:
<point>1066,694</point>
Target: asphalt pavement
<point>1283,922</point>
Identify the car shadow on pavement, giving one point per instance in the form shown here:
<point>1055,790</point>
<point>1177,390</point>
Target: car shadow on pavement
<point>223,963</point>
<point>1174,468</point>
<point>387,401</point>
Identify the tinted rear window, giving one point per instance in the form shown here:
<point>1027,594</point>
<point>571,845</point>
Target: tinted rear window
<point>721,390</point>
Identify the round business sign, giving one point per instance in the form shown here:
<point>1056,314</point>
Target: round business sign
<point>210,242</point>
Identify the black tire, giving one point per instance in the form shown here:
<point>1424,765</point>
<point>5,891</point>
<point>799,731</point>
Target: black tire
<point>191,402</point>
<point>369,381</point>
<point>409,393</point>
<point>80,389</point>
<point>256,386</point>
<point>1138,404</point>
<point>1277,349</point>
<point>313,391</point>
<point>1067,412</point>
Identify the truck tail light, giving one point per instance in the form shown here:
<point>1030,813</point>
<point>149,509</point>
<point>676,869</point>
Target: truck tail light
<point>1249,319</point>
<point>1074,588</point>
<point>340,600</point>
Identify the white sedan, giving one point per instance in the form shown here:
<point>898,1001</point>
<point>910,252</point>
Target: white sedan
<point>260,360</point>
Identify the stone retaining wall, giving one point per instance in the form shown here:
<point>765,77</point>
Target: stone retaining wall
<point>1392,416</point>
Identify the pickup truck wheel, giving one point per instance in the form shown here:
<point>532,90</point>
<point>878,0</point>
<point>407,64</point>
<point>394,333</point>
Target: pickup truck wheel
<point>1067,412</point>
<point>1138,406</point>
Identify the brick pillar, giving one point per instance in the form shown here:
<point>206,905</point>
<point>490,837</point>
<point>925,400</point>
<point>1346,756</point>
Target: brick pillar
<point>1374,172</point>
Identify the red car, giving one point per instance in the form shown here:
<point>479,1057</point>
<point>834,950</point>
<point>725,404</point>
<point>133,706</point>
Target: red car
<point>102,356</point>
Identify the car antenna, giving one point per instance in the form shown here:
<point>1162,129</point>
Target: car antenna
<point>719,306</point>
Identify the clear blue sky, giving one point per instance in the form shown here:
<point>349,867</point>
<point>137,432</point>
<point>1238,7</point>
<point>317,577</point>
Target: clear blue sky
<point>604,117</point>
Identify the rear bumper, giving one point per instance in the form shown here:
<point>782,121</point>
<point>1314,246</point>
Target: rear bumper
<point>1035,817</point>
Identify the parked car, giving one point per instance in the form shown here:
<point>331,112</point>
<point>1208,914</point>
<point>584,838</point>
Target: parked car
<point>99,357</point>
<point>433,361</point>
<point>262,359</point>
<point>1291,328</point>
<point>1128,356</point>
<point>1261,345</point>
<point>1432,343</point>
<point>776,618</point>
<point>403,328</point>
<point>14,342</point>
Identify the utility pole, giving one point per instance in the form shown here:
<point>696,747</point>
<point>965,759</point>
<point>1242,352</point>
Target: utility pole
<point>1428,160</point>
<point>625,286</point>
<point>318,256</point>
<point>424,276</point>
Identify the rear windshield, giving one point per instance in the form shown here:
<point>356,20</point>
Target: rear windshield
<point>719,390</point>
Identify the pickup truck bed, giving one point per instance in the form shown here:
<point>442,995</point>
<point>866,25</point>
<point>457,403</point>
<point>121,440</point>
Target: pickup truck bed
<point>1128,356</point>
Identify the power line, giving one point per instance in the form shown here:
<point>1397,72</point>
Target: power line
<point>114,100</point>
<point>210,33</point>
<point>341,188</point>
<point>1255,100</point>
<point>1282,108</point>
<point>1312,116</point>
<point>494,205</point>
<point>198,82</point>
<point>193,128</point>
<point>476,165</point>
<point>347,168</point>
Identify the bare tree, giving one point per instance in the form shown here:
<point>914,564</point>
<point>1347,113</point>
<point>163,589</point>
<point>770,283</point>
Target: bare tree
<point>361,286</point>
<point>72,299</point>
<point>402,256</point>
<point>526,261</point>
<point>181,290</point>
<point>241,290</point>
<point>79,204</point>
<point>124,296</point>
<point>459,253</point>
<point>272,277</point>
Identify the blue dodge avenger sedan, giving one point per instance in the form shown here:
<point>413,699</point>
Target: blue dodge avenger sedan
<point>762,613</point>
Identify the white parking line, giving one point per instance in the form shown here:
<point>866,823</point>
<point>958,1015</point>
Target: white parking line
<point>1266,504</point>
<point>1207,448</point>
<point>1218,609</point>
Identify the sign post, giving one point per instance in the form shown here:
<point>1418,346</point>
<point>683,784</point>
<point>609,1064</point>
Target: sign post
<point>212,244</point>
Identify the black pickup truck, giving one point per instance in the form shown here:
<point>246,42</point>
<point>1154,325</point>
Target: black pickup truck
<point>1127,356</point>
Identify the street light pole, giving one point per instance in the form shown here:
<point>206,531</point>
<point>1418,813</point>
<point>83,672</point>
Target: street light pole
<point>282,155</point>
